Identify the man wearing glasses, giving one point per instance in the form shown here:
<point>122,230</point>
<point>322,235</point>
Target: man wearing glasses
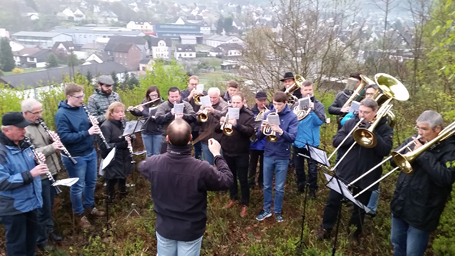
<point>100,100</point>
<point>76,133</point>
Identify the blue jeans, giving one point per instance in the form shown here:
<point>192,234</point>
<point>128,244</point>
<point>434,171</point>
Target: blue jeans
<point>85,170</point>
<point>152,143</point>
<point>373,203</point>
<point>407,240</point>
<point>45,221</point>
<point>207,154</point>
<point>20,233</point>
<point>168,247</point>
<point>281,169</point>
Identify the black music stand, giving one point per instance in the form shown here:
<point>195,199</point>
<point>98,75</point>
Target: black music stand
<point>334,183</point>
<point>319,156</point>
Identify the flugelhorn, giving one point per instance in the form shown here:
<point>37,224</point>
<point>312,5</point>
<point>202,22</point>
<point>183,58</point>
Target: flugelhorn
<point>267,129</point>
<point>227,126</point>
<point>64,150</point>
<point>197,97</point>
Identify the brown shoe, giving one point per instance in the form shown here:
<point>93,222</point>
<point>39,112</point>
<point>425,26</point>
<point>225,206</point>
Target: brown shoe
<point>322,234</point>
<point>229,205</point>
<point>96,212</point>
<point>244,211</point>
<point>84,223</point>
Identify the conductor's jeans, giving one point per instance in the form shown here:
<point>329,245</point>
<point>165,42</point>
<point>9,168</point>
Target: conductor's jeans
<point>20,233</point>
<point>333,205</point>
<point>168,247</point>
<point>407,240</point>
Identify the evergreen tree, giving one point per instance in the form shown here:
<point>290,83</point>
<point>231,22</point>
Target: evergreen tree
<point>227,25</point>
<point>220,25</point>
<point>114,77</point>
<point>52,61</point>
<point>7,62</point>
<point>89,77</point>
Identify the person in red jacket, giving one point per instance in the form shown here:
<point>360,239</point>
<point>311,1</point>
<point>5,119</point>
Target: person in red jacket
<point>179,185</point>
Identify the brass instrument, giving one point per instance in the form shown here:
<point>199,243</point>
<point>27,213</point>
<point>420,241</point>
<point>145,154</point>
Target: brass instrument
<point>356,95</point>
<point>203,116</point>
<point>267,130</point>
<point>390,89</point>
<point>294,87</point>
<point>197,97</point>
<point>301,113</point>
<point>227,126</point>
<point>261,114</point>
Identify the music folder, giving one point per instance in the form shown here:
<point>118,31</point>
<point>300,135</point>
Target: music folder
<point>318,155</point>
<point>134,126</point>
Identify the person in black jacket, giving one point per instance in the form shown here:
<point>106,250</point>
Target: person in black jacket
<point>120,166</point>
<point>419,199</point>
<point>151,133</point>
<point>357,161</point>
<point>289,80</point>
<point>236,151</point>
<point>179,185</point>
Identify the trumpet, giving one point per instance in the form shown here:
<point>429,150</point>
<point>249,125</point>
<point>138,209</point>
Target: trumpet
<point>267,129</point>
<point>203,116</point>
<point>65,151</point>
<point>227,126</point>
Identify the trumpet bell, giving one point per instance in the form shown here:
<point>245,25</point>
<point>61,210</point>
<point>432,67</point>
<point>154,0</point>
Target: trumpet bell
<point>227,130</point>
<point>270,134</point>
<point>403,162</point>
<point>203,116</point>
<point>365,138</point>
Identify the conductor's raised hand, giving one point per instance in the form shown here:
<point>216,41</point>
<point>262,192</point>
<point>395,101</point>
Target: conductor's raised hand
<point>214,147</point>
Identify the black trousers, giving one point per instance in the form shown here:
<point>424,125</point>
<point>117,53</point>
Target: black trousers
<point>299,165</point>
<point>110,186</point>
<point>239,169</point>
<point>256,155</point>
<point>333,205</point>
<point>21,233</point>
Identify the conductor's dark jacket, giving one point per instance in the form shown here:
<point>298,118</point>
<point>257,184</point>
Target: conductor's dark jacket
<point>420,198</point>
<point>360,159</point>
<point>179,185</point>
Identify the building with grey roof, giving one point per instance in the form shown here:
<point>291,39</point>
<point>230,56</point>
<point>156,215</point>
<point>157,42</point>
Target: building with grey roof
<point>84,35</point>
<point>42,39</point>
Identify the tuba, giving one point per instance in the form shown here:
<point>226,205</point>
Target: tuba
<point>268,132</point>
<point>227,127</point>
<point>390,88</point>
<point>294,87</point>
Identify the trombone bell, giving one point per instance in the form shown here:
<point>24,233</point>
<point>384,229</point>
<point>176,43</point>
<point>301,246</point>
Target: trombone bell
<point>403,161</point>
<point>365,138</point>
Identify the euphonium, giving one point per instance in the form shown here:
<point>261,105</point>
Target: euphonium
<point>294,87</point>
<point>268,132</point>
<point>203,116</point>
<point>227,126</point>
<point>301,113</point>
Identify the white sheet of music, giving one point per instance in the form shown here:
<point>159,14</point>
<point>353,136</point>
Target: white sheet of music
<point>205,101</point>
<point>109,157</point>
<point>234,113</point>
<point>178,108</point>
<point>200,88</point>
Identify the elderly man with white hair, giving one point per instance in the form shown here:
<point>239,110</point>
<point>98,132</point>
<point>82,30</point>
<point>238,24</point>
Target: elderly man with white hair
<point>32,110</point>
<point>218,109</point>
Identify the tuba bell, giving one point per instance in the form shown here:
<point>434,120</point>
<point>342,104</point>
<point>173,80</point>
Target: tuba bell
<point>203,116</point>
<point>294,87</point>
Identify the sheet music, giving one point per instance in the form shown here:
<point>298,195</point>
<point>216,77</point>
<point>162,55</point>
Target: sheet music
<point>133,127</point>
<point>109,157</point>
<point>178,108</point>
<point>318,155</point>
<point>304,103</point>
<point>354,107</point>
<point>342,189</point>
<point>200,88</point>
<point>234,113</point>
<point>273,119</point>
<point>65,182</point>
<point>205,101</point>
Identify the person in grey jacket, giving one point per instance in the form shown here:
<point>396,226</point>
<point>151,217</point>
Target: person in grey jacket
<point>100,100</point>
<point>165,113</point>
<point>32,110</point>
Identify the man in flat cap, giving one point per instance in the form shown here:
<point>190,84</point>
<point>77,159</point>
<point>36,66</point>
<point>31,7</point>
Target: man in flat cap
<point>20,186</point>
<point>100,100</point>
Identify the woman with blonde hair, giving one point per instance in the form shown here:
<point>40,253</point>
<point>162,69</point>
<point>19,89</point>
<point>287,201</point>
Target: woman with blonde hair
<point>121,165</point>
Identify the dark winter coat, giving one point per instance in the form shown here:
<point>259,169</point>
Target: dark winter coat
<point>419,199</point>
<point>179,185</point>
<point>220,110</point>
<point>150,127</point>
<point>360,159</point>
<point>238,144</point>
<point>121,165</point>
<point>164,117</point>
<point>340,99</point>
<point>195,127</point>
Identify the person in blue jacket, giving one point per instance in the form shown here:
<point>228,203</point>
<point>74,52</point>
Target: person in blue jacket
<point>276,155</point>
<point>20,186</point>
<point>77,135</point>
<point>308,135</point>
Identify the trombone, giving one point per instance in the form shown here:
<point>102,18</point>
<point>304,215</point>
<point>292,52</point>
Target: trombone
<point>404,161</point>
<point>227,126</point>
